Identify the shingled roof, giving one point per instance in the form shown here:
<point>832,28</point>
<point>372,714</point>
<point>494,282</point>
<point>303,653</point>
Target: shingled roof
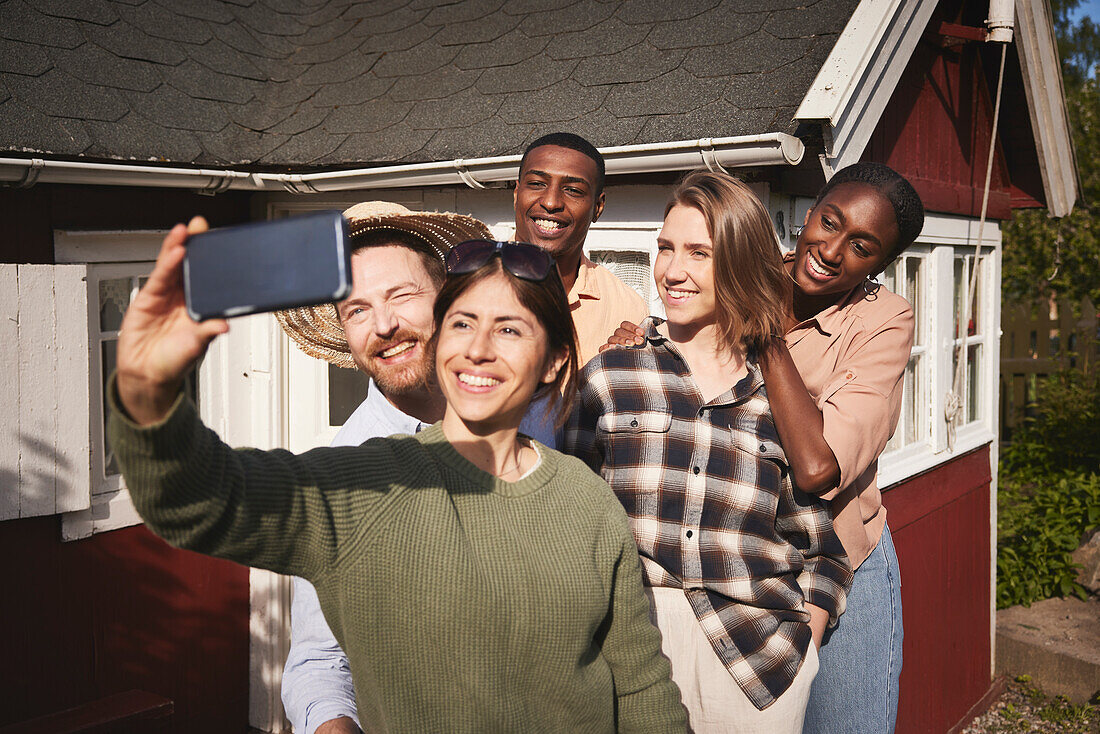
<point>276,84</point>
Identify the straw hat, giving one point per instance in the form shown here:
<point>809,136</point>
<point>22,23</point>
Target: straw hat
<point>317,330</point>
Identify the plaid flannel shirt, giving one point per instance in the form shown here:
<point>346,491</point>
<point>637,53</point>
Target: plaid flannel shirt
<point>712,506</point>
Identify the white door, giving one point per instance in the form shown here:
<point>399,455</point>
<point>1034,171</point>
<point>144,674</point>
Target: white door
<point>319,399</point>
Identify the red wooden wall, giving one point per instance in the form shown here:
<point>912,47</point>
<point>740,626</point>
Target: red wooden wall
<point>31,215</point>
<point>936,128</point>
<point>118,611</point>
<point>940,521</point>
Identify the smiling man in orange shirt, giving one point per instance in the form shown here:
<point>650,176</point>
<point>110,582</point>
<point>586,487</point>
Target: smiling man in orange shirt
<point>559,194</point>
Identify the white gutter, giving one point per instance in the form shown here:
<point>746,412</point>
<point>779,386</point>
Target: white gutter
<point>769,149</point>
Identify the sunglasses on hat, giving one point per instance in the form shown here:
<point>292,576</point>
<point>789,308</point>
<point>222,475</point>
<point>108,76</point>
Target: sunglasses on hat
<point>518,258</point>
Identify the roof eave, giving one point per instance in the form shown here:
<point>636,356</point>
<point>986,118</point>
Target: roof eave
<point>768,149</point>
<point>1046,102</point>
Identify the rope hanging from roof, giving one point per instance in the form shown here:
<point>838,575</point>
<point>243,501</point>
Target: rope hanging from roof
<point>954,403</point>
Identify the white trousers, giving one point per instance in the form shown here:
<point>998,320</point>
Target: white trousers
<point>714,702</point>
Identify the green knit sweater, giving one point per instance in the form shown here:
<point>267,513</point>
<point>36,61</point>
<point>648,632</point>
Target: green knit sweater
<point>464,603</point>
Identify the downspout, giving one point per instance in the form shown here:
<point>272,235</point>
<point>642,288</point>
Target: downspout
<point>769,149</point>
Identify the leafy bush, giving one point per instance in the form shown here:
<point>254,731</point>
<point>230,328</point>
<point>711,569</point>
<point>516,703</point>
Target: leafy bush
<point>1039,524</point>
<point>1064,433</point>
<point>1049,492</point>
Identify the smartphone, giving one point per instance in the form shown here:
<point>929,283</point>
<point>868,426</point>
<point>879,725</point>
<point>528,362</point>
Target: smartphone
<point>267,266</point>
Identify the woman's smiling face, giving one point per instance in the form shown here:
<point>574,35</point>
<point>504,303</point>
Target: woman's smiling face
<point>684,269</point>
<point>491,356</point>
<point>849,235</point>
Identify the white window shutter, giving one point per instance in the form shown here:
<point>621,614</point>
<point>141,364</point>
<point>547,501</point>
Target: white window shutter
<point>73,443</point>
<point>44,452</point>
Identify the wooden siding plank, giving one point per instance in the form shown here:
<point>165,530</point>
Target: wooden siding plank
<point>9,399</point>
<point>73,477</point>
<point>944,562</point>
<point>935,131</point>
<point>117,611</point>
<point>940,487</point>
<point>37,392</point>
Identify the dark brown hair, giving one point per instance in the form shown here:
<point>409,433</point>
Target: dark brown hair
<point>547,301</point>
<point>749,282</point>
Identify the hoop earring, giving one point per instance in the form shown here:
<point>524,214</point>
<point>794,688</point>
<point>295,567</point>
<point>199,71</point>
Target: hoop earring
<point>871,286</point>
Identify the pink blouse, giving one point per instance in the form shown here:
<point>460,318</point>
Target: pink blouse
<point>852,357</point>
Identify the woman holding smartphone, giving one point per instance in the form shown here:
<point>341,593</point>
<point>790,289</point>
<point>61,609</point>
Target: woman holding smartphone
<point>477,580</point>
<point>834,379</point>
<point>744,571</point>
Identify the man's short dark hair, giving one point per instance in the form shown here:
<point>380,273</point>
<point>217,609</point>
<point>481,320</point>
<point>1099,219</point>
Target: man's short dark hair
<point>385,237</point>
<point>573,142</point>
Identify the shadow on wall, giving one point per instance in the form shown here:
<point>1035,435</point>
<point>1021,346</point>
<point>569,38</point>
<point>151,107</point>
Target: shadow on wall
<point>118,611</point>
<point>29,483</point>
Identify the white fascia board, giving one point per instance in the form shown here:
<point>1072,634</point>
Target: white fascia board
<point>857,80</point>
<point>1046,103</point>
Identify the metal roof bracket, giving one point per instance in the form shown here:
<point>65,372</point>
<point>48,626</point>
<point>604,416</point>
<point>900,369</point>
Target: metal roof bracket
<point>295,184</point>
<point>30,176</point>
<point>219,183</point>
<point>466,176</point>
<point>710,156</point>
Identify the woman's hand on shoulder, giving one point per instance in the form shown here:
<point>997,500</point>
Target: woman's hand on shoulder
<point>627,335</point>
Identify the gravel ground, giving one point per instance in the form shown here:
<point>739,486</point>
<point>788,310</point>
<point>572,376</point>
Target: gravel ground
<point>1023,708</point>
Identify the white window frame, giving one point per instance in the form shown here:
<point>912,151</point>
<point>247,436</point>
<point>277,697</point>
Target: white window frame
<point>102,482</point>
<point>106,255</point>
<point>943,238</point>
<point>921,255</point>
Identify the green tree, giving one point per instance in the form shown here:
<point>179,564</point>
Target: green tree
<point>1042,255</point>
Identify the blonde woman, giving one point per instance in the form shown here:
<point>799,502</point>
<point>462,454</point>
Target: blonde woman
<point>744,571</point>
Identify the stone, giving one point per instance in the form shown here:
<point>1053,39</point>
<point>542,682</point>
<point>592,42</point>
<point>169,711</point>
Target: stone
<point>1056,642</point>
<point>1088,557</point>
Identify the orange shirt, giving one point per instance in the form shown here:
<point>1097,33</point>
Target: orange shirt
<point>599,302</point>
<point>852,357</point>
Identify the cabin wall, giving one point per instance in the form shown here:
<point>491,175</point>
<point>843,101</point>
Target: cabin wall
<point>119,610</point>
<point>940,522</point>
<point>31,215</point>
<point>937,126</point>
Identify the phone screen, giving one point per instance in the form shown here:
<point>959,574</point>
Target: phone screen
<point>267,266</point>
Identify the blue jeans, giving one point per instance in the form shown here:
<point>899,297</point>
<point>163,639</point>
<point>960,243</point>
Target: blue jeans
<point>856,689</point>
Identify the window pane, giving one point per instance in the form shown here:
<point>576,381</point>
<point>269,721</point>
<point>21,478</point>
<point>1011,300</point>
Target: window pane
<point>973,380</point>
<point>910,411</point>
<point>975,311</point>
<point>114,297</point>
<point>960,290</point>
<point>346,390</point>
<point>895,441</point>
<point>109,349</point>
<point>913,294</point>
<point>908,428</point>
